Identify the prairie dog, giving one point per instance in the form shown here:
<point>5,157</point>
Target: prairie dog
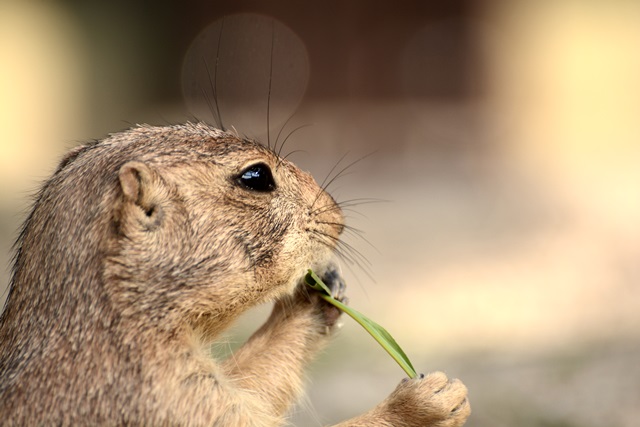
<point>139,251</point>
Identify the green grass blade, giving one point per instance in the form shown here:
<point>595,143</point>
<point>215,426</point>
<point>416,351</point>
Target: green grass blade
<point>379,333</point>
<point>316,283</point>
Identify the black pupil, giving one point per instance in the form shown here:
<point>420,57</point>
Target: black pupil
<point>258,178</point>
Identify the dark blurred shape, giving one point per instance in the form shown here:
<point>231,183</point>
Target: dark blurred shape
<point>441,61</point>
<point>357,48</point>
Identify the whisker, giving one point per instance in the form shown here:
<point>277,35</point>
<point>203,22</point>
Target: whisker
<point>207,99</point>
<point>290,133</point>
<point>215,77</point>
<point>346,204</point>
<point>270,82</point>
<point>322,187</point>
<point>214,107</point>
<point>344,211</point>
<point>339,174</point>
<point>293,152</point>
<point>275,144</point>
<point>365,199</point>
<point>356,276</point>
<point>351,249</point>
<point>352,262</point>
<point>354,212</point>
<point>341,252</point>
<point>345,254</point>
<point>346,226</point>
<point>355,253</point>
<point>328,242</point>
<point>355,232</point>
<point>325,185</point>
<point>333,168</point>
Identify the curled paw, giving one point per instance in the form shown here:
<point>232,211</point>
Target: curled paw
<point>307,301</point>
<point>338,288</point>
<point>432,400</point>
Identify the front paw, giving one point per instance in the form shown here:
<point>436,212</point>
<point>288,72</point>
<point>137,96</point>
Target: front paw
<point>308,305</point>
<point>335,282</point>
<point>434,401</point>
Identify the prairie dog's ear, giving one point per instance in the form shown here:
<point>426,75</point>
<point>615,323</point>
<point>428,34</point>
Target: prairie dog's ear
<point>137,184</point>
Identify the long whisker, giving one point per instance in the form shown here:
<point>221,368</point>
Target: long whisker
<point>289,135</point>
<point>352,250</point>
<point>213,84</point>
<point>215,77</point>
<point>327,177</point>
<point>306,125</point>
<point>353,211</point>
<point>347,204</point>
<point>333,168</point>
<point>346,253</point>
<point>341,252</point>
<point>275,144</point>
<point>329,243</point>
<point>270,82</point>
<point>346,226</point>
<point>293,152</point>
<point>353,231</point>
<point>355,253</point>
<point>325,185</point>
<point>207,99</point>
<point>339,174</point>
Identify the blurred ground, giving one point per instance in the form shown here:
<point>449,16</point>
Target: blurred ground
<point>507,251</point>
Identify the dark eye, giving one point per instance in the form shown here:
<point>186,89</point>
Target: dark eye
<point>257,178</point>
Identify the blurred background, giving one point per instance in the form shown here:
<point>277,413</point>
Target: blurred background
<point>506,145</point>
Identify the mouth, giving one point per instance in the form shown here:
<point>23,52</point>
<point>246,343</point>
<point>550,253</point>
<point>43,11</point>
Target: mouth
<point>322,261</point>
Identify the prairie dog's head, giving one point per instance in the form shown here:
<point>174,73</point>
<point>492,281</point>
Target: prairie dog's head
<point>162,225</point>
<point>204,221</point>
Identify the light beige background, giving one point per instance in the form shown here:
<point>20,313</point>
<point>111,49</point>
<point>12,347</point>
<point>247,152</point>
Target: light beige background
<point>508,252</point>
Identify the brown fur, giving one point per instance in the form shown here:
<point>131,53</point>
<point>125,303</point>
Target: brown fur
<point>140,250</point>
